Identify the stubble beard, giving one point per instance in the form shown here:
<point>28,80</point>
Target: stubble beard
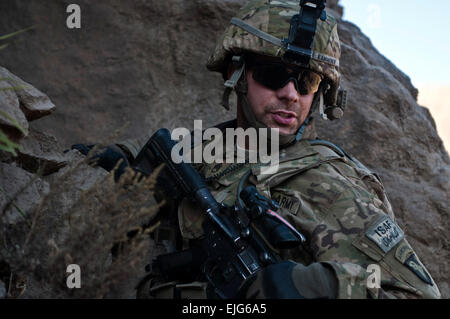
<point>269,109</point>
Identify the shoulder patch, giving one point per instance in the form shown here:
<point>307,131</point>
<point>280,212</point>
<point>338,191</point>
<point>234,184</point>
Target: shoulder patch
<point>291,203</point>
<point>385,233</point>
<point>405,254</point>
<point>416,267</point>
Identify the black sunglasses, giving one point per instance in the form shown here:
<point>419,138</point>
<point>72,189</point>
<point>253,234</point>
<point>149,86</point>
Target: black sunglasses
<point>276,76</point>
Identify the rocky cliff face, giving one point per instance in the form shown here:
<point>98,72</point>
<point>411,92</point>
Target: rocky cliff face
<point>143,62</point>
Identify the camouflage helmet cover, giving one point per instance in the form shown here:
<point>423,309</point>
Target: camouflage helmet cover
<point>273,17</point>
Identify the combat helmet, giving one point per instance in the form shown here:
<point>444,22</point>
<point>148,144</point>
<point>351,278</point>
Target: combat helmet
<point>297,32</point>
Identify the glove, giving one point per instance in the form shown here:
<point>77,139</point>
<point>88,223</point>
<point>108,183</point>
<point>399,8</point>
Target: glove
<point>107,158</point>
<point>289,280</point>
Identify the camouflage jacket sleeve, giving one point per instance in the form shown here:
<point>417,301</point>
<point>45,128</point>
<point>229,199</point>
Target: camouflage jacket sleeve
<point>348,221</point>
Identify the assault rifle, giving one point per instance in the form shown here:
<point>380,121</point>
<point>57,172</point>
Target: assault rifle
<point>238,241</point>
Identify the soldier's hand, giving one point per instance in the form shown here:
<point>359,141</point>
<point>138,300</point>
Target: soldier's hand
<point>106,157</point>
<point>289,280</point>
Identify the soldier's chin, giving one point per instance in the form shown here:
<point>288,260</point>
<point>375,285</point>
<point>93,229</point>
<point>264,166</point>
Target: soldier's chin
<point>282,131</point>
<point>285,131</point>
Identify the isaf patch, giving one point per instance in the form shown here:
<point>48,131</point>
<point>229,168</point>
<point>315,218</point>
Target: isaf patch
<point>385,233</point>
<point>291,203</point>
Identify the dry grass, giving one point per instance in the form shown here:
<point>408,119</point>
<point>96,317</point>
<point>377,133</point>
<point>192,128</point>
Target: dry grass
<point>39,249</point>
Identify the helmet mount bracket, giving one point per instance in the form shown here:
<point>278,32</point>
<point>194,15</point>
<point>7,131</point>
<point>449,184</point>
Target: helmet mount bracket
<point>302,31</point>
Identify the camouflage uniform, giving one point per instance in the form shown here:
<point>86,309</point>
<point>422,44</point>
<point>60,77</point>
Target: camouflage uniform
<point>342,209</point>
<point>335,201</point>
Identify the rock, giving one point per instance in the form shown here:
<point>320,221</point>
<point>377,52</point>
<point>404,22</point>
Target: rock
<point>79,174</point>
<point>30,189</point>
<point>54,195</point>
<point>351,35</point>
<point>33,102</point>
<point>67,185</point>
<point>336,7</point>
<point>13,122</point>
<point>22,103</point>
<point>122,66</point>
<point>41,152</point>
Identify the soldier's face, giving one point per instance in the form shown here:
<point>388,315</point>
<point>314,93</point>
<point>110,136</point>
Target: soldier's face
<point>284,108</point>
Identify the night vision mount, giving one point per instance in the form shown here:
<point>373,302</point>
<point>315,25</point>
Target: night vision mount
<point>303,28</point>
<point>298,48</point>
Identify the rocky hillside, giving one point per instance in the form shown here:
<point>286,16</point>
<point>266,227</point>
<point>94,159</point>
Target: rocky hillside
<point>143,62</point>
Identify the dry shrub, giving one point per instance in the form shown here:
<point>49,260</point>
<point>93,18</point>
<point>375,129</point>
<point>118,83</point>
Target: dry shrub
<point>82,227</point>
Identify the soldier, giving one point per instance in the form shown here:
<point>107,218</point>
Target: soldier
<point>283,70</point>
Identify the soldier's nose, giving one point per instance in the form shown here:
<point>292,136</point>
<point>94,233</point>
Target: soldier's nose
<point>288,92</point>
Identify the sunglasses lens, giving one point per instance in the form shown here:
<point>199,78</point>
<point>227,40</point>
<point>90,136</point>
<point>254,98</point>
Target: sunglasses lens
<point>308,82</point>
<point>275,77</point>
<point>271,76</point>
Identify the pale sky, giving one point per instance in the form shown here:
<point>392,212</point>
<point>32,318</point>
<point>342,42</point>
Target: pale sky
<point>414,35</point>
